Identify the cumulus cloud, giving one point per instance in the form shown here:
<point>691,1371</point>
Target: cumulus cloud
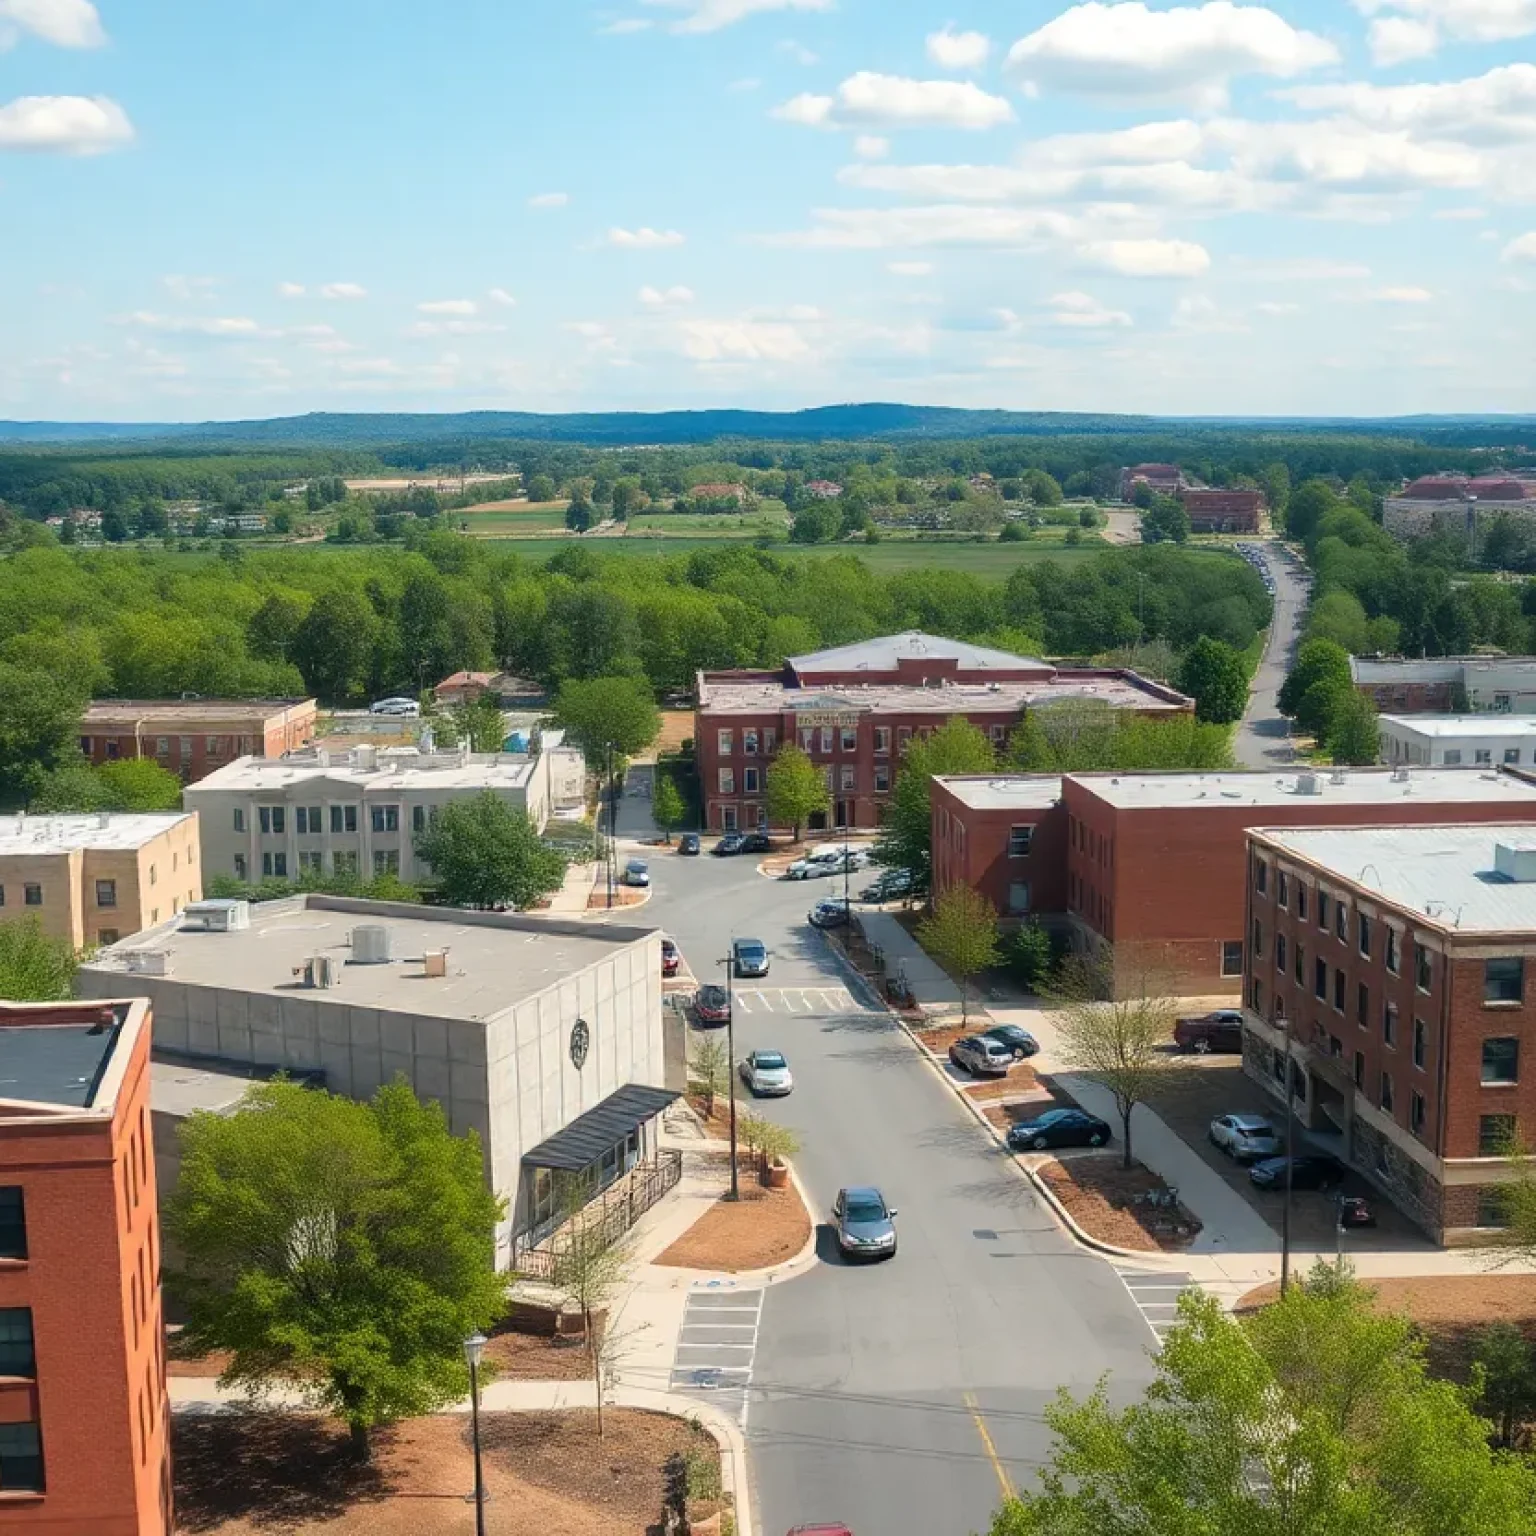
<point>1147,258</point>
<point>1084,312</point>
<point>868,100</point>
<point>1187,53</point>
<point>290,290</point>
<point>643,239</point>
<point>663,298</point>
<point>870,146</point>
<point>1498,107</point>
<point>64,23</point>
<point>346,291</point>
<point>1403,295</point>
<point>1397,39</point>
<point>67,125</point>
<point>939,224</point>
<point>1339,154</point>
<point>1480,21</point>
<point>743,341</point>
<point>1521,249</point>
<point>502,297</point>
<point>180,286</point>
<point>958,50</point>
<point>224,326</point>
<point>713,15</point>
<point>549,199</point>
<point>449,307</point>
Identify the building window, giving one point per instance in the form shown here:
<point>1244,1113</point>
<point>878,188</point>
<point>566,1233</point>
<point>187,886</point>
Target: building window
<point>725,739</point>
<point>274,820</point>
<point>13,1223</point>
<point>386,861</point>
<point>1494,1134</point>
<point>274,866</point>
<point>1512,756</point>
<point>1501,1060</point>
<point>343,818</point>
<point>882,740</point>
<point>749,743</point>
<point>1322,909</point>
<point>1320,978</point>
<point>106,893</point>
<point>1416,1113</point>
<point>769,738</point>
<point>17,1357</point>
<point>1364,925</point>
<point>1300,968</point>
<point>1301,902</point>
<point>240,870</point>
<point>1386,1092</point>
<point>1420,1043</point>
<point>1453,758</point>
<point>808,738</point>
<point>1260,876</point>
<point>162,746</point>
<point>1360,1070</point>
<point>310,822</point>
<point>1394,951</point>
<point>344,861</point>
<point>848,778</point>
<point>1232,957</point>
<point>106,936</point>
<point>1338,990</point>
<point>1388,1018</point>
<point>903,737</point>
<point>1019,840</point>
<point>1279,951</point>
<point>112,749</point>
<point>21,1458</point>
<point>1340,921</point>
<point>1256,995</point>
<point>311,861</point>
<point>1258,941</point>
<point>750,780</point>
<point>385,818</point>
<point>826,739</point>
<point>999,734</point>
<point>1483,757</point>
<point>239,818</point>
<point>728,818</point>
<point>1492,1206</point>
<point>1018,896</point>
<point>1504,980</point>
<point>882,778</point>
<point>1282,888</point>
<point>32,895</point>
<point>1423,975</point>
<point>418,818</point>
<point>154,875</point>
<point>726,781</point>
<point>850,738</point>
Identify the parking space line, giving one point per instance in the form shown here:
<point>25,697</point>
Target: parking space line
<point>741,1002</point>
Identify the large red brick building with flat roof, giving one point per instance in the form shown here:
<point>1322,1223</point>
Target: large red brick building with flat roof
<point>195,737</point>
<point>1156,860</point>
<point>84,1418</point>
<point>855,709</point>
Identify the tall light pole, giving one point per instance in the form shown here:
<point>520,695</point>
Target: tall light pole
<point>730,1048</point>
<point>474,1348</point>
<point>1290,1163</point>
<point>611,860</point>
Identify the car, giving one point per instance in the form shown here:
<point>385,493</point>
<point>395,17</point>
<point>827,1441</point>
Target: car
<point>688,843</point>
<point>1248,1138</point>
<point>888,886</point>
<point>396,706</point>
<point>1059,1128</point>
<point>830,913</point>
<point>749,957</point>
<point>637,872</point>
<point>982,1057</point>
<point>1309,1170</point>
<point>1218,1031</point>
<point>729,845</point>
<point>671,957</point>
<point>767,1074</point>
<point>808,869</point>
<point>755,842</point>
<point>712,1005</point>
<point>865,1225</point>
<point>1019,1041</point>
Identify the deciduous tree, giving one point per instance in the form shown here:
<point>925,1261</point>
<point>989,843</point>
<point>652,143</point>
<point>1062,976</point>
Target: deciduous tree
<point>608,710</point>
<point>667,808</point>
<point>906,836</point>
<point>139,784</point>
<point>35,965</point>
<point>795,789</point>
<point>1351,734</point>
<point>486,853</point>
<point>1214,676</point>
<point>961,934</point>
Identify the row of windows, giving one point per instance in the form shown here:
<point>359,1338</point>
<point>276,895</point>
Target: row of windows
<point>214,746</point>
<point>274,866</point>
<point>847,780</point>
<point>310,820</point>
<point>753,741</point>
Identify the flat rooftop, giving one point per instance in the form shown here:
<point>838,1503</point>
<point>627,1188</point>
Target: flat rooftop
<point>1462,725</point>
<point>1433,669</point>
<point>179,1088</point>
<point>106,832</point>
<point>1444,874</point>
<point>1360,786</point>
<point>128,712</point>
<point>394,768</point>
<point>989,793</point>
<point>887,652</point>
<point>761,696</point>
<point>495,960</point>
<point>58,1057</point>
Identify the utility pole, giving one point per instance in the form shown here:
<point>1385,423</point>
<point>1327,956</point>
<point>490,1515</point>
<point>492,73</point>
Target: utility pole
<point>1290,1163</point>
<point>730,1048</point>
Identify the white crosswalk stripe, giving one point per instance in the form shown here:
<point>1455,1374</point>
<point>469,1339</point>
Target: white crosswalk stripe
<point>805,1001</point>
<point>718,1344</point>
<point>1156,1294</point>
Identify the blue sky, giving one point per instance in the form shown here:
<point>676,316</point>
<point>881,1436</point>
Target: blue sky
<point>230,209</point>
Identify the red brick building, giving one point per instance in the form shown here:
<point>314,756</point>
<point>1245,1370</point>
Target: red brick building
<point>1396,966</point>
<point>84,1418</point>
<point>1160,479</point>
<point>1156,860</point>
<point>855,709</point>
<point>194,737</point>
<point>1213,511</point>
<point>1447,685</point>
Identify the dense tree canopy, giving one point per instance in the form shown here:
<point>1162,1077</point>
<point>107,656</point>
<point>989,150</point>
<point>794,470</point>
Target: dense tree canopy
<point>906,839</point>
<point>485,853</point>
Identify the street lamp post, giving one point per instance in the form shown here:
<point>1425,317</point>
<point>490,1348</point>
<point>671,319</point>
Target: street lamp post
<point>730,1048</point>
<point>474,1348</point>
<point>613,828</point>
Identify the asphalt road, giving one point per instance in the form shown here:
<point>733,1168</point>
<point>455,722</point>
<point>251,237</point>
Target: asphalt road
<point>900,1397</point>
<point>1262,737</point>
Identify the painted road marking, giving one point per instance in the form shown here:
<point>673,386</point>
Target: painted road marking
<point>803,1001</point>
<point>1003,1480</point>
<point>1156,1295</point>
<point>717,1345</point>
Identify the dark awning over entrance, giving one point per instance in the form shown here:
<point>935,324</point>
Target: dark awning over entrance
<point>588,1136</point>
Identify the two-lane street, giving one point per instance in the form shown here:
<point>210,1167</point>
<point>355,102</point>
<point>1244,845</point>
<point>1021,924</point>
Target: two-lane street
<point>900,1397</point>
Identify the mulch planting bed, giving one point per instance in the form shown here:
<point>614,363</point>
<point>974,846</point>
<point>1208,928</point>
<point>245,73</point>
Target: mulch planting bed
<point>1100,1196</point>
<point>763,1228</point>
<point>537,1357</point>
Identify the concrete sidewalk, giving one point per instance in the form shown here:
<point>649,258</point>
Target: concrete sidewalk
<point>936,994</point>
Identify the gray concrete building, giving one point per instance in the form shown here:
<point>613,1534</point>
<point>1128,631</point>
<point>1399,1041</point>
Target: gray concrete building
<point>544,1037</point>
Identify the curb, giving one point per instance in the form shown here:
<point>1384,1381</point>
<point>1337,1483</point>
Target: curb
<point>725,1433</point>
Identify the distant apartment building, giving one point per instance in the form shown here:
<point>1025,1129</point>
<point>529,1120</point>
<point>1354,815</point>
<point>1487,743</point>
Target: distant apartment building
<point>84,1417</point>
<point>94,879</point>
<point>1390,987</point>
<point>1153,862</point>
<point>1459,741</point>
<point>195,737</point>
<point>1160,479</point>
<point>1459,505</point>
<point>504,688</point>
<point>1447,685</point>
<point>350,813</point>
<point>1218,511</point>
<point>855,709</point>
<point>823,490</point>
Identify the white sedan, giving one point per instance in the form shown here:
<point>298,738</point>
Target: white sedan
<point>767,1074</point>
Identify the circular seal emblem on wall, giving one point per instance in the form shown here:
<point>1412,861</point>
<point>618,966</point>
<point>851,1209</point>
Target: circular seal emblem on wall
<point>581,1040</point>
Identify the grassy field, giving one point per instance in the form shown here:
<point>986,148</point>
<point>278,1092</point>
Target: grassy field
<point>508,519</point>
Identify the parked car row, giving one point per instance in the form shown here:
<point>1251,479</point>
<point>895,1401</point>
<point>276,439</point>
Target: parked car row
<point>992,1052</point>
<point>1251,1139</point>
<point>828,861</point>
<point>1221,1030</point>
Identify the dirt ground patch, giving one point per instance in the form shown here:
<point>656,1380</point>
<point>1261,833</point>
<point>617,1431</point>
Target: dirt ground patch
<point>764,1227</point>
<point>1005,1115</point>
<point>623,896</point>
<point>538,1357</point>
<point>1020,1079</point>
<point>1100,1196</point>
<point>260,1474</point>
<point>676,728</point>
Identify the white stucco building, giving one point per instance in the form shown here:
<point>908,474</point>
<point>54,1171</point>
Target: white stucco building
<point>1458,741</point>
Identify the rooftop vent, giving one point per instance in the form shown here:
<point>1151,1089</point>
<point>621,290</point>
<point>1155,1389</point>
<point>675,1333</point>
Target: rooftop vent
<point>319,971</point>
<point>1338,777</point>
<point>1308,784</point>
<point>364,759</point>
<point>1400,774</point>
<point>370,945</point>
<point>148,962</point>
<point>434,962</point>
<point>216,915</point>
<point>1516,861</point>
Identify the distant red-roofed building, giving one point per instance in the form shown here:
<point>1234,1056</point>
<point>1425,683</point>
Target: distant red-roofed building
<point>823,490</point>
<point>1160,479</point>
<point>1459,505</point>
<point>1212,511</point>
<point>718,492</point>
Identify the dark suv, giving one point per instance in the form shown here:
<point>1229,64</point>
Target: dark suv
<point>755,842</point>
<point>1218,1031</point>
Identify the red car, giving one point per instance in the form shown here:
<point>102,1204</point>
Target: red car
<point>671,958</point>
<point>712,1005</point>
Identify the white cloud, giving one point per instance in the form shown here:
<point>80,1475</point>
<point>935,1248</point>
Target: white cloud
<point>343,291</point>
<point>1338,154</point>
<point>1083,311</point>
<point>1188,53</point>
<point>64,23</point>
<point>372,367</point>
<point>663,298</point>
<point>910,268</point>
<point>223,326</point>
<point>1403,295</point>
<point>958,50</point>
<point>799,52</point>
<point>1397,39</point>
<point>449,307</point>
<point>1196,312</point>
<point>1498,107</point>
<point>1460,215</point>
<point>939,224</point>
<point>290,290</point>
<point>70,125</point>
<point>1480,21</point>
<point>1277,307</point>
<point>1521,249</point>
<point>712,15</point>
<point>453,328</point>
<point>868,100</point>
<point>1300,269</point>
<point>749,341</point>
<point>870,146</point>
<point>1147,258</point>
<point>502,297</point>
<point>186,289</point>
<point>644,238</point>
<point>549,200</point>
<point>625,25</point>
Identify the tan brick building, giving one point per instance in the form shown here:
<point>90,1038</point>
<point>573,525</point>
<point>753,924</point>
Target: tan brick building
<point>1397,965</point>
<point>194,737</point>
<point>96,879</point>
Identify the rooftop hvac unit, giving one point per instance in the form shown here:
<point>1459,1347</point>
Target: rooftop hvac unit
<point>365,759</point>
<point>1308,784</point>
<point>1337,777</point>
<point>434,962</point>
<point>319,971</point>
<point>1400,774</point>
<point>1516,861</point>
<point>217,915</point>
<point>148,962</point>
<point>370,945</point>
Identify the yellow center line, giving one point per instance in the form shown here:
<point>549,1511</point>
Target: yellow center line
<point>1003,1480</point>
